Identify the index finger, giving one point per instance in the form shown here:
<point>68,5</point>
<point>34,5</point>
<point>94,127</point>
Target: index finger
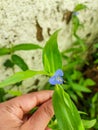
<point>26,102</point>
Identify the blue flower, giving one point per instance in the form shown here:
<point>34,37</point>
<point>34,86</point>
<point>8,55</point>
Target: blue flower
<point>75,13</point>
<point>57,78</point>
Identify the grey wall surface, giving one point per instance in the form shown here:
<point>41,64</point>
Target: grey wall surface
<point>33,21</point>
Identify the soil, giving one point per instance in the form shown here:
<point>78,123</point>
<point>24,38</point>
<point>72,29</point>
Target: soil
<point>91,71</point>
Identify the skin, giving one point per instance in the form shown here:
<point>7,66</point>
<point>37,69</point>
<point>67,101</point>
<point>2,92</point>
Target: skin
<point>14,113</point>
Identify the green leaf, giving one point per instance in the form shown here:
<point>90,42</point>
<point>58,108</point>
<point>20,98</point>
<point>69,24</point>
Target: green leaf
<point>96,61</point>
<point>8,63</point>
<point>80,42</point>
<point>95,98</point>
<point>26,47</point>
<point>2,94</point>
<point>73,95</point>
<point>89,82</point>
<point>81,88</point>
<point>80,7</point>
<point>76,23</point>
<point>79,94</point>
<point>19,76</point>
<point>4,51</point>
<point>53,124</point>
<point>83,113</point>
<point>73,49</point>
<point>14,93</point>
<point>76,75</point>
<point>72,65</point>
<point>89,123</point>
<point>51,55</point>
<point>96,45</point>
<point>20,62</point>
<point>66,112</point>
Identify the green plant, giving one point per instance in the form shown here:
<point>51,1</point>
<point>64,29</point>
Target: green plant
<point>67,86</point>
<point>66,110</point>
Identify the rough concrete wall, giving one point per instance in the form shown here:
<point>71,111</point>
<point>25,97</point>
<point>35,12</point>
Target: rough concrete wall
<point>33,21</point>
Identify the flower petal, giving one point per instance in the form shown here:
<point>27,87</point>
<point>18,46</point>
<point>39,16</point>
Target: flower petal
<point>75,13</point>
<point>59,72</point>
<point>59,80</point>
<point>56,80</point>
<point>52,80</point>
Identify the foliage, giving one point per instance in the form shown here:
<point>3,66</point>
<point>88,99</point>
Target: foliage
<point>69,87</point>
<point>66,112</point>
<point>51,55</point>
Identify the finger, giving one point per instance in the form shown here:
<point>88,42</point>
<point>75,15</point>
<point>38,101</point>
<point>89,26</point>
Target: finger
<point>25,103</point>
<point>40,118</point>
<point>48,128</point>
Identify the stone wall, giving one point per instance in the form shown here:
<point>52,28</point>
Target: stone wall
<point>33,21</point>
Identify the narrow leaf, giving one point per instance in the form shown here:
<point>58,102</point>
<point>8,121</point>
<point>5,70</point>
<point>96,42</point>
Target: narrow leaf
<point>80,88</point>
<point>66,113</point>
<point>76,23</point>
<point>4,51</point>
<point>51,55</point>
<point>80,7</point>
<point>96,45</point>
<point>89,82</point>
<point>26,47</point>
<point>19,76</point>
<point>20,62</point>
<point>14,93</point>
<point>89,123</point>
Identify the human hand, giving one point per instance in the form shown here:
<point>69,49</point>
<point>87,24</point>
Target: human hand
<point>14,113</point>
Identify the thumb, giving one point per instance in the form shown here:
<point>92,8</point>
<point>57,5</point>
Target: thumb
<point>48,128</point>
<point>40,118</point>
